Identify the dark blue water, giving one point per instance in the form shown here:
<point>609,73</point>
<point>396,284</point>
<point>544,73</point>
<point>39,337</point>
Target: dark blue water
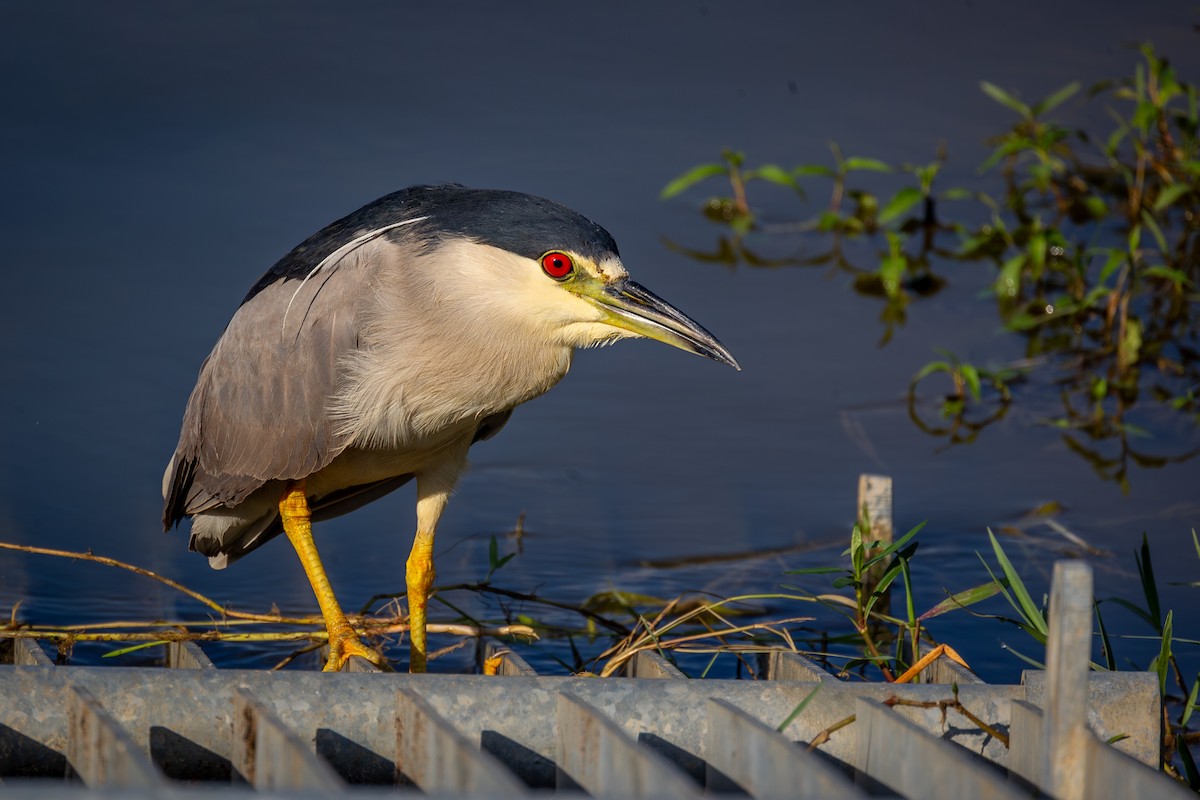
<point>156,158</point>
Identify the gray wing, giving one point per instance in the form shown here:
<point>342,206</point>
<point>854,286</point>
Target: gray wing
<point>259,409</point>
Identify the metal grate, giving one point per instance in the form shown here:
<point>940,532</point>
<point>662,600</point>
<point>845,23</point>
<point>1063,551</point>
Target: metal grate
<point>135,732</point>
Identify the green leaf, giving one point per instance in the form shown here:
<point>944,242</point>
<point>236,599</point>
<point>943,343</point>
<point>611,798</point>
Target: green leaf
<point>1037,251</point>
<point>1173,275</point>
<point>891,270</point>
<point>772,173</point>
<point>1162,662</point>
<point>901,202</point>
<point>1149,585</point>
<point>1031,662</point>
<point>958,194</point>
<point>929,369</point>
<point>1130,347</point>
<point>885,581</point>
<point>1110,659</point>
<point>806,170</point>
<point>894,546</point>
<point>131,649</point>
<point>691,178</point>
<point>1156,231</point>
<point>798,709</point>
<point>868,164</point>
<point>828,220</point>
<point>1135,238</point>
<point>1055,100</point>
<point>1004,98</point>
<point>1189,767</point>
<point>813,571</point>
<point>970,375</point>
<point>1115,259</point>
<point>1029,610</point>
<point>1096,206</point>
<point>1008,282</point>
<point>1136,611</point>
<point>961,599</point>
<point>857,551</point>
<point>1190,705</point>
<point>1169,195</point>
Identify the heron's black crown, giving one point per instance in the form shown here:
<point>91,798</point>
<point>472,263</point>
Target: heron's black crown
<point>520,223</point>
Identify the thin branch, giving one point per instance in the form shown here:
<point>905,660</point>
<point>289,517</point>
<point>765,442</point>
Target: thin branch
<point>112,562</point>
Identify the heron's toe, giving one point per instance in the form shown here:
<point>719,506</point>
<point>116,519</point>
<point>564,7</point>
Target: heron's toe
<point>343,648</point>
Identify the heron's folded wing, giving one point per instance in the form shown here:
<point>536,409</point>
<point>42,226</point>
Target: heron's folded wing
<point>259,409</point>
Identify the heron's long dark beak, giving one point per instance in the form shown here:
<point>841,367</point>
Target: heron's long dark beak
<point>634,308</point>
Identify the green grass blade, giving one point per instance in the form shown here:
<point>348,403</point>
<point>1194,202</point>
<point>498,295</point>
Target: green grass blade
<point>966,597</point>
<point>1136,610</point>
<point>691,178</point>
<point>901,202</point>
<point>1149,586</point>
<point>1029,610</point>
<point>1031,662</point>
<point>799,709</point>
<point>1004,98</point>
<point>1110,660</point>
<point>813,570</point>
<point>132,648</point>
<point>1056,99</point>
<point>1162,663</point>
<point>1189,767</point>
<point>1190,705</point>
<point>894,546</point>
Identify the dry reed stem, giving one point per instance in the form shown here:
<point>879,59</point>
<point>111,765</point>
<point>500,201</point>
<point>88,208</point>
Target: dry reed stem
<point>370,626</point>
<point>112,562</point>
<point>320,635</point>
<point>653,637</point>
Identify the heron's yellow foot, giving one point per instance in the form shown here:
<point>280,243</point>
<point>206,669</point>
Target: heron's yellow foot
<point>345,643</point>
<point>297,524</point>
<point>419,575</point>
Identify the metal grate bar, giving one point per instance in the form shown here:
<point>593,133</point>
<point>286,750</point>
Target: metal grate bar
<point>913,763</point>
<point>511,664</point>
<point>22,651</point>
<point>100,751</point>
<point>649,664</point>
<point>1027,749</point>
<point>269,756</point>
<point>187,655</point>
<point>782,666</point>
<point>1106,774</point>
<point>946,672</point>
<point>597,755</point>
<point>763,762</point>
<point>431,753</point>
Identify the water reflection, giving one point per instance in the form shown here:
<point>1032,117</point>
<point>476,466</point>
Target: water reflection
<point>1093,239</point>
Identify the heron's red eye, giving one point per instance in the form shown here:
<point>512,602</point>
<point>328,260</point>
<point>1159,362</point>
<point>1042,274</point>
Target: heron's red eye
<point>558,265</point>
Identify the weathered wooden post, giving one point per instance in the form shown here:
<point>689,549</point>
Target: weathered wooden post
<point>1068,655</point>
<point>873,515</point>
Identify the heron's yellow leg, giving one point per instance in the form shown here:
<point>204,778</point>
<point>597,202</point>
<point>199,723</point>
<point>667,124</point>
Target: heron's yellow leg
<point>434,486</point>
<point>297,524</point>
<point>419,575</point>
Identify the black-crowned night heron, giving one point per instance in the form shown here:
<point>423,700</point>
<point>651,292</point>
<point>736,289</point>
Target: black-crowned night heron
<point>380,350</point>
